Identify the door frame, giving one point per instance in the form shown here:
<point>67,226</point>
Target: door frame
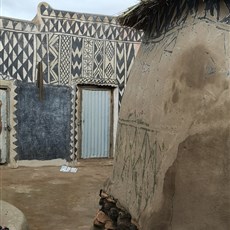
<point>10,86</point>
<point>7,90</point>
<point>79,123</point>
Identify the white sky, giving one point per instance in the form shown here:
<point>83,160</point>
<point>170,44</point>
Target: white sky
<point>26,9</point>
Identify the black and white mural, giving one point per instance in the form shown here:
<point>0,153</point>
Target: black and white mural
<point>73,49</point>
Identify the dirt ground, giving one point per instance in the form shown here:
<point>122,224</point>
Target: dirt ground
<point>51,199</point>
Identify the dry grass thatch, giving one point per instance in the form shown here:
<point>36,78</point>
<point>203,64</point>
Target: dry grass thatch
<point>156,16</point>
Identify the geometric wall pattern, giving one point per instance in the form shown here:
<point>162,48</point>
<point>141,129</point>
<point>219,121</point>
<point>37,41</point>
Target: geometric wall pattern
<point>54,41</point>
<point>74,48</point>
<point>90,29</point>
<point>17,55</point>
<point>86,25</point>
<point>98,59</point>
<point>121,68</point>
<point>109,70</point>
<point>41,54</point>
<point>76,57</point>
<point>87,61</point>
<point>71,46</point>
<point>65,61</point>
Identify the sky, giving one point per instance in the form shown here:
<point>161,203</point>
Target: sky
<point>27,9</point>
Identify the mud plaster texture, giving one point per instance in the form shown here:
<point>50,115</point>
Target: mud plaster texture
<point>51,199</point>
<point>12,217</point>
<point>172,169</point>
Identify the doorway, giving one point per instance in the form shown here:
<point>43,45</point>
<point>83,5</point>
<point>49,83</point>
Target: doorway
<point>96,113</point>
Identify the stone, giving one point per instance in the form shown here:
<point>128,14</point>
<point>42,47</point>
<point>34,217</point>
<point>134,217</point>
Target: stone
<point>12,217</point>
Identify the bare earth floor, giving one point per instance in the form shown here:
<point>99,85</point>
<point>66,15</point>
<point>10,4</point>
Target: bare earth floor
<point>55,200</point>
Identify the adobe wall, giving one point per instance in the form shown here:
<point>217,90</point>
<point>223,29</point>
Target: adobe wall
<point>172,166</point>
<point>75,49</point>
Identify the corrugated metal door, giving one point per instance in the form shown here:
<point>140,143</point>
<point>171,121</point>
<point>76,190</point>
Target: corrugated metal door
<point>3,123</point>
<point>96,118</point>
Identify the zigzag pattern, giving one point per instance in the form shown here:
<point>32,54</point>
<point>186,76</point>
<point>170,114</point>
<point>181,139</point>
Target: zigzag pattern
<point>98,59</point>
<point>46,10</point>
<point>76,57</point>
<point>143,160</point>
<point>13,122</point>
<point>76,120</point>
<point>120,69</point>
<point>72,122</point>
<point>54,57</point>
<point>94,81</point>
<point>90,29</point>
<point>91,51</point>
<point>42,55</point>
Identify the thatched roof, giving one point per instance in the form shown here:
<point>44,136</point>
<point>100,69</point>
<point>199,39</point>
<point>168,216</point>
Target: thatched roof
<point>157,16</point>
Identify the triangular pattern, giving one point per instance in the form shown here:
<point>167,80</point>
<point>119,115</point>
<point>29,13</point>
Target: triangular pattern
<point>98,19</point>
<point>76,29</point>
<point>106,19</point>
<point>110,59</point>
<point>87,49</point>
<point>10,25</point>
<point>54,58</point>
<point>98,59</point>
<point>110,34</point>
<point>67,15</point>
<point>52,13</point>
<point>72,27</point>
<point>87,62</point>
<point>65,64</point>
<point>18,55</point>
<point>90,18</point>
<point>18,26</point>
<point>13,122</point>
<point>130,55</point>
<point>120,68</point>
<point>41,42</point>
<point>100,32</point>
<point>77,96</point>
<point>67,27</point>
<point>76,57</point>
<point>59,26</point>
<point>75,16</point>
<point>60,15</point>
<point>83,17</point>
<point>44,10</point>
<point>52,25</point>
<point>72,122</point>
<point>99,27</point>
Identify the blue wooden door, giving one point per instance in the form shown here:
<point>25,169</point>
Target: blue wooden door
<point>3,123</point>
<point>96,123</point>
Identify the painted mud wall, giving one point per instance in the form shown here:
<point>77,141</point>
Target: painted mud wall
<point>172,168</point>
<point>74,49</point>
<point>43,126</point>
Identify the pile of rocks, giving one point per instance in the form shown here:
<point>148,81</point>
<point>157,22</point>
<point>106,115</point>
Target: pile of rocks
<point>111,216</point>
